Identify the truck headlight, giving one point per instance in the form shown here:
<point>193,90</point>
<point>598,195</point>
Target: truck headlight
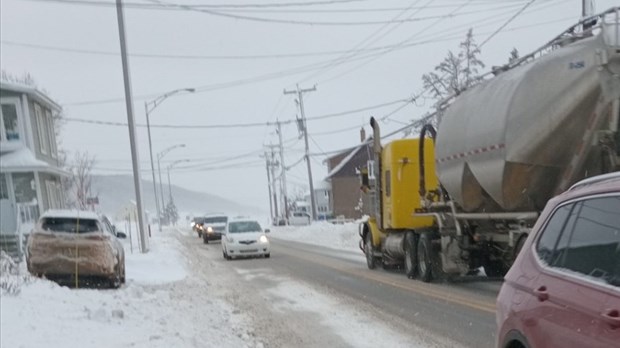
<point>263,239</point>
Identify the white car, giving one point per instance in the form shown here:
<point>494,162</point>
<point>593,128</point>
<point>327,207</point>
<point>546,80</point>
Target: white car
<point>244,238</point>
<point>299,218</point>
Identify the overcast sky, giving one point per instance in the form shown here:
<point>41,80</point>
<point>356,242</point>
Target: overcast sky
<point>89,84</point>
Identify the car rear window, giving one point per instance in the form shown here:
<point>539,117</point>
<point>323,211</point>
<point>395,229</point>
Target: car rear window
<point>69,225</point>
<point>244,226</point>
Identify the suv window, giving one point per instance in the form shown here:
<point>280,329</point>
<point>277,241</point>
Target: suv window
<point>588,241</point>
<point>549,237</point>
<point>593,242</point>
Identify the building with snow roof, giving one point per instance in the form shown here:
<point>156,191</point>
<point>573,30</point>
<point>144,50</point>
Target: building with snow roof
<point>30,171</point>
<point>347,198</point>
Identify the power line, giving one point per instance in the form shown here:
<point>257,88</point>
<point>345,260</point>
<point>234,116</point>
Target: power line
<point>507,22</point>
<point>168,5</point>
<point>236,125</point>
<point>264,77</point>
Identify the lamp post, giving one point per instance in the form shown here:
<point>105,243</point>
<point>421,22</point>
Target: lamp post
<point>159,157</point>
<point>170,166</point>
<point>149,106</point>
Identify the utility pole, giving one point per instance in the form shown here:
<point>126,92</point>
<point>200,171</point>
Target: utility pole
<point>132,126</point>
<point>269,185</point>
<point>273,164</point>
<point>283,176</point>
<point>300,95</point>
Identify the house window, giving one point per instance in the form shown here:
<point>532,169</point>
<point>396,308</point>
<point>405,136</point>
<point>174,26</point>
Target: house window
<point>4,187</point>
<point>42,129</point>
<point>10,122</point>
<point>50,133</point>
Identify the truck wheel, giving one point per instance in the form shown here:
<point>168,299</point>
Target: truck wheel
<point>425,258</point>
<point>411,255</point>
<point>205,240</point>
<point>370,259</point>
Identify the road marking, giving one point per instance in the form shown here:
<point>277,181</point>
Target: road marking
<point>413,286</point>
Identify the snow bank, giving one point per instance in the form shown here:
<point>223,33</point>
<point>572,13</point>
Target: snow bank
<point>163,263</point>
<point>338,236</point>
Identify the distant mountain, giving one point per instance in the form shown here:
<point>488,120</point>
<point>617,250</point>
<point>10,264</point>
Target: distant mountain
<point>117,191</point>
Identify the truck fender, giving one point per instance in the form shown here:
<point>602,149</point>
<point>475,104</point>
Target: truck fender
<point>371,227</point>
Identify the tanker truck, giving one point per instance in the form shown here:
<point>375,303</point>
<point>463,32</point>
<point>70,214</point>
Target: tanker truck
<point>466,195</point>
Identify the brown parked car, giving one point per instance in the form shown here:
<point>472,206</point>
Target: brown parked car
<point>74,246</point>
<point>564,288</point>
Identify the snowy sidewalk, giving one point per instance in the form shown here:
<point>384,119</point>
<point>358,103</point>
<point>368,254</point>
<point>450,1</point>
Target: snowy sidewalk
<point>160,306</point>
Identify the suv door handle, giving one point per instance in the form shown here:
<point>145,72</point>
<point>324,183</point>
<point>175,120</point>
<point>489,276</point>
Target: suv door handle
<point>612,317</point>
<point>541,293</point>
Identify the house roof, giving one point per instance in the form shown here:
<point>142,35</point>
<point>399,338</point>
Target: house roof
<point>31,91</point>
<point>22,160</point>
<point>344,161</point>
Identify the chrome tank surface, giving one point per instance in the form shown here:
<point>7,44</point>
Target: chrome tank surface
<point>505,144</point>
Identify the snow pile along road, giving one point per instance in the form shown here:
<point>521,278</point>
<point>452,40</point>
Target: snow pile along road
<point>337,236</point>
<point>159,307</point>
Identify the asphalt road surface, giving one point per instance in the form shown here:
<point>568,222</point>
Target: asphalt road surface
<point>462,312</point>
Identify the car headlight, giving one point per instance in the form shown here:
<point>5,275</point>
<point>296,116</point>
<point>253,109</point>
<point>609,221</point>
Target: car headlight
<point>209,229</point>
<point>193,224</point>
<point>263,239</point>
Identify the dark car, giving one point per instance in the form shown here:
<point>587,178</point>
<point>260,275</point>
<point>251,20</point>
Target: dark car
<point>213,227</point>
<point>564,288</point>
<point>197,225</point>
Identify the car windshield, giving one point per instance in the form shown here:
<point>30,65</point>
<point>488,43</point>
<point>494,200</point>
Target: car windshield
<point>199,220</point>
<point>70,225</point>
<point>216,220</point>
<point>244,226</point>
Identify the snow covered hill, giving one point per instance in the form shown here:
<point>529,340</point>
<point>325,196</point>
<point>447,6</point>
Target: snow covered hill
<point>116,191</point>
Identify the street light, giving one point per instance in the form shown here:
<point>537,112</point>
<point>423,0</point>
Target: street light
<point>159,157</point>
<point>170,167</point>
<point>149,106</point>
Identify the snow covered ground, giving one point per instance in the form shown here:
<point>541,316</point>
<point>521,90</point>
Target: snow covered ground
<point>184,294</point>
<point>337,236</point>
<point>157,308</point>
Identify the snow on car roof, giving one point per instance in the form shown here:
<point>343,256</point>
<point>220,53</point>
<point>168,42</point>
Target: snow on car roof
<point>71,214</point>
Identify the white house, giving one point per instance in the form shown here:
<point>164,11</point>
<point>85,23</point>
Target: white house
<point>30,173</point>
<point>322,195</point>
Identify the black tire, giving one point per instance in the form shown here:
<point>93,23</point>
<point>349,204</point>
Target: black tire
<point>371,261</point>
<point>116,280</point>
<point>426,258</point>
<point>123,275</point>
<point>267,256</point>
<point>199,234</point>
<point>411,255</point>
<point>224,254</point>
<point>205,240</point>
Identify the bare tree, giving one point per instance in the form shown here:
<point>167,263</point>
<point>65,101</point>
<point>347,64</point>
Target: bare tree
<point>514,55</point>
<point>81,178</point>
<point>456,72</point>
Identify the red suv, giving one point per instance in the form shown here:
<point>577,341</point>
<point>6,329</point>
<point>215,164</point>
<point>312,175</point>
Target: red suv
<point>564,287</point>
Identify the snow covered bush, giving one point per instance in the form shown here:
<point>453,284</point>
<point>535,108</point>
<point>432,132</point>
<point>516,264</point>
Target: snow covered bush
<point>10,278</point>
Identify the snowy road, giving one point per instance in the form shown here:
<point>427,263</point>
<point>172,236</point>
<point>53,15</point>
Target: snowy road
<point>309,295</point>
